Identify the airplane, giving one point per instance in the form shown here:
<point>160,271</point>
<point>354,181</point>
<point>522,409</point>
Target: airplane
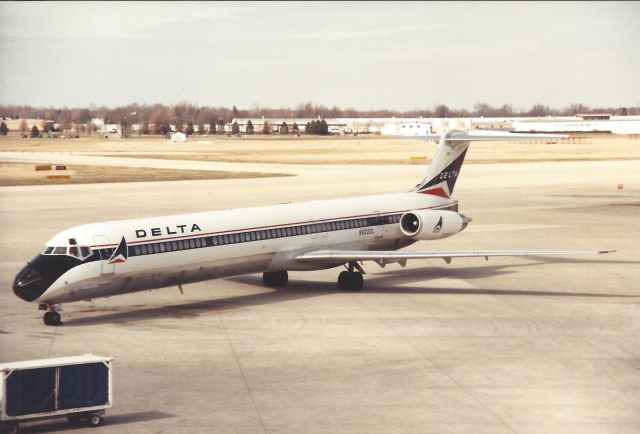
<point>117,257</point>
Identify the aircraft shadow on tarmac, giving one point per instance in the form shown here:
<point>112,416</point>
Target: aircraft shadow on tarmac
<point>62,425</point>
<point>389,282</point>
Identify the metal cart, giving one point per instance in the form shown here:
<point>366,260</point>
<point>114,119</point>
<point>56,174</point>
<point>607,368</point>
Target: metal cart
<point>78,387</point>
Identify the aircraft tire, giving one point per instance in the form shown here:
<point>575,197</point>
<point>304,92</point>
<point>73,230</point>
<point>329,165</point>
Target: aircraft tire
<point>52,318</point>
<point>357,281</point>
<point>275,278</point>
<point>343,281</point>
<point>350,281</point>
<point>47,318</point>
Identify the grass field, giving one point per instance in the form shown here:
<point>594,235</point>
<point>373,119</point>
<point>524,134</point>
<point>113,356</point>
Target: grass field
<point>293,150</point>
<point>330,150</point>
<point>25,174</point>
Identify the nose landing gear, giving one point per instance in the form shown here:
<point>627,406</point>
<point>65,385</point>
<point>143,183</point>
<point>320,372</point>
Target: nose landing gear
<point>52,316</point>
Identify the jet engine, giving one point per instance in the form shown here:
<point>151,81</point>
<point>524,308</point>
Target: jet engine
<point>432,224</point>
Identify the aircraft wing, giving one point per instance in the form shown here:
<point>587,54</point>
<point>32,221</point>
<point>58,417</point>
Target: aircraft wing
<point>386,257</point>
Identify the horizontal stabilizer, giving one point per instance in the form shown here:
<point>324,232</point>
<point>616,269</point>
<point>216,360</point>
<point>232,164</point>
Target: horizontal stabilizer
<point>487,135</point>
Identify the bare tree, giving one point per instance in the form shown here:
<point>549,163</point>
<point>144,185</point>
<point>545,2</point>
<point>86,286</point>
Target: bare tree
<point>23,126</point>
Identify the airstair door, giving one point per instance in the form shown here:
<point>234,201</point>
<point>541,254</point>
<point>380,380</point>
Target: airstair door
<point>103,246</point>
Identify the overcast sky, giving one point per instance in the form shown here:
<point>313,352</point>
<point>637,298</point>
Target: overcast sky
<point>364,55</point>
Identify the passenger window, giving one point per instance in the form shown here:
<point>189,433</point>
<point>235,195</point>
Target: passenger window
<point>226,239</point>
<point>253,236</point>
<point>197,241</point>
<point>242,237</point>
<point>162,247</point>
<point>180,245</point>
<point>174,245</point>
<point>192,243</point>
<point>273,233</point>
<point>278,232</point>
<point>168,246</point>
<point>156,248</point>
<point>143,248</point>
<point>136,249</point>
<point>288,232</point>
<point>215,241</point>
<point>236,238</point>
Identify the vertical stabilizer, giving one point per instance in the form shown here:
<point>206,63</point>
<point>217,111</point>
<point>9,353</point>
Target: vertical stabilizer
<point>445,168</point>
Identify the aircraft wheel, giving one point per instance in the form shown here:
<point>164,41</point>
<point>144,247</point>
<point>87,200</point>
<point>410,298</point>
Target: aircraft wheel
<point>52,318</point>
<point>357,281</point>
<point>344,281</point>
<point>350,280</point>
<point>275,278</point>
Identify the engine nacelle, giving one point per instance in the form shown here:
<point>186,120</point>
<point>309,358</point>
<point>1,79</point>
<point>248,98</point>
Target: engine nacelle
<point>432,224</point>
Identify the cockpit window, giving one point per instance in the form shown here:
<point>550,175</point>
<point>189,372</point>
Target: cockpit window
<point>80,252</point>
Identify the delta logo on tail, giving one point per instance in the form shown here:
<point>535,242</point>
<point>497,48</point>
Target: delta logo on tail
<point>443,183</point>
<point>121,254</point>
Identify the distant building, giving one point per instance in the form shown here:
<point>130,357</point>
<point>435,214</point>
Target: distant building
<point>178,137</point>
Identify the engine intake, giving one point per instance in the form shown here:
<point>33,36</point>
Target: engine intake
<point>432,225</point>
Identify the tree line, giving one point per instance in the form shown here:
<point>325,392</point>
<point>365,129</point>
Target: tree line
<point>157,118</point>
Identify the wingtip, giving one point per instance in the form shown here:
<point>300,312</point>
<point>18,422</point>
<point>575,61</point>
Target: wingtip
<point>600,252</point>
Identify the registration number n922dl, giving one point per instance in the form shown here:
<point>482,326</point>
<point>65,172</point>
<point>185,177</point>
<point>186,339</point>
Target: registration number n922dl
<point>366,231</point>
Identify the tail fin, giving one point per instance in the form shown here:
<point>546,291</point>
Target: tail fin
<point>446,164</point>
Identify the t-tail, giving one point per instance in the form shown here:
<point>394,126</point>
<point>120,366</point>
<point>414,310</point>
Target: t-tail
<point>446,164</point>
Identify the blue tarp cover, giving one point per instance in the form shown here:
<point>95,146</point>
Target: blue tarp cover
<point>85,385</point>
<point>31,391</point>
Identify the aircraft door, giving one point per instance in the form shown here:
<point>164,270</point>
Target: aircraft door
<point>105,254</point>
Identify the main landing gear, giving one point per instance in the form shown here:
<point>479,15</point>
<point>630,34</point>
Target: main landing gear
<point>275,278</point>
<point>52,316</point>
<point>351,280</point>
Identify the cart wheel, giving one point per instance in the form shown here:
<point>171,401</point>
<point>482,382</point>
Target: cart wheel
<point>95,419</point>
<point>10,428</point>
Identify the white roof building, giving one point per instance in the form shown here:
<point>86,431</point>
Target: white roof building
<point>178,137</point>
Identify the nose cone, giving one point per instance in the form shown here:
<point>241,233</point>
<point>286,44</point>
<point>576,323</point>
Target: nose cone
<point>28,284</point>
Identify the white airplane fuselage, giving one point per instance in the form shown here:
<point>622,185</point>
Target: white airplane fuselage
<point>172,250</point>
